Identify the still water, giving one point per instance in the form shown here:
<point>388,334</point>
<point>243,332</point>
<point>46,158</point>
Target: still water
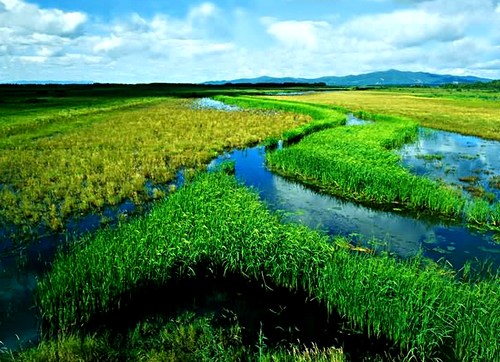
<point>398,233</point>
<point>470,163</point>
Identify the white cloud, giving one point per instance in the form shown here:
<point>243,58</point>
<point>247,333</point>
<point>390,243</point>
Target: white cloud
<point>212,42</point>
<point>302,34</point>
<point>27,18</point>
<point>204,10</point>
<point>107,44</point>
<point>405,27</point>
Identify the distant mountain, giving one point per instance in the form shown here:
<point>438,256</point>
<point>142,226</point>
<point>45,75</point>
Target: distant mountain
<point>389,77</point>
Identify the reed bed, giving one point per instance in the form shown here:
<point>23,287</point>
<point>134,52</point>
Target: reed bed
<point>471,115</point>
<point>96,160</point>
<point>186,337</point>
<point>323,117</point>
<point>214,223</point>
<point>358,163</point>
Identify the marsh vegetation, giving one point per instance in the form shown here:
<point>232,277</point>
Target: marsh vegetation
<point>262,287</point>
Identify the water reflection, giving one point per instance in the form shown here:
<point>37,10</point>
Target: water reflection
<point>398,233</point>
<point>469,162</point>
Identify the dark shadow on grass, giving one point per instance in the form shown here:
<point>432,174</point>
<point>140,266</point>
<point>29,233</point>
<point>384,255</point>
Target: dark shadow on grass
<point>284,317</point>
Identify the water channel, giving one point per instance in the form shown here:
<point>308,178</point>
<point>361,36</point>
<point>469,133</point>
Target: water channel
<point>402,234</point>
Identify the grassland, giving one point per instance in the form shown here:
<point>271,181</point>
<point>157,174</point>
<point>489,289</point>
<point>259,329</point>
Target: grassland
<point>323,117</point>
<point>213,225</point>
<point>357,163</point>
<point>71,161</point>
<point>470,112</point>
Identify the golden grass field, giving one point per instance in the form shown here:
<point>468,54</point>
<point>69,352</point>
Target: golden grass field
<point>112,155</point>
<point>466,115</point>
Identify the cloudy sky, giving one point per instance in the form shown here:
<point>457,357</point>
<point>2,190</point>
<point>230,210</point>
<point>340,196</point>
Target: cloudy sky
<point>141,41</point>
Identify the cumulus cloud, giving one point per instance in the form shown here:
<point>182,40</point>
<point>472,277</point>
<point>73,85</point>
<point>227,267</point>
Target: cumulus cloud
<point>224,42</point>
<point>162,36</point>
<point>405,28</point>
<point>27,18</point>
<point>303,34</point>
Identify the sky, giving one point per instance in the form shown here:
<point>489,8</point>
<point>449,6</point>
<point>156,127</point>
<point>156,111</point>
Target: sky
<point>144,41</point>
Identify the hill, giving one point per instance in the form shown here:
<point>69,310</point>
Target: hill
<point>389,77</point>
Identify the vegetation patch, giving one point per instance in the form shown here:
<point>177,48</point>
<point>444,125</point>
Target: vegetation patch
<point>99,158</point>
<point>215,224</point>
<point>186,337</point>
<point>465,113</point>
<point>358,163</point>
<point>323,117</point>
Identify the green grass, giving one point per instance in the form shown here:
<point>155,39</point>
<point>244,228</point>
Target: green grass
<point>87,159</point>
<point>186,337</point>
<point>358,163</point>
<point>215,224</point>
<point>323,117</point>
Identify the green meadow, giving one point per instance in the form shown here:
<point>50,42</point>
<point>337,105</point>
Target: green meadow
<point>209,272</point>
<point>78,156</point>
<point>215,227</point>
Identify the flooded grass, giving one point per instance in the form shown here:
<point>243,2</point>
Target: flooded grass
<point>433,108</point>
<point>322,117</point>
<point>113,156</point>
<point>466,161</point>
<point>359,164</point>
<point>402,233</point>
<point>216,224</point>
<point>214,228</point>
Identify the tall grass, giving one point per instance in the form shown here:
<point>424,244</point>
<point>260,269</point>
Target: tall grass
<point>323,117</point>
<point>186,337</point>
<point>358,163</point>
<point>214,223</point>
<point>100,159</point>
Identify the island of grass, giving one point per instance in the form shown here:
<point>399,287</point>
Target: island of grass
<point>215,228</point>
<point>359,163</point>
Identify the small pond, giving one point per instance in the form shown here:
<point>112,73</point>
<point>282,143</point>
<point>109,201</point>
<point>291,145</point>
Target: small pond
<point>470,163</point>
<point>209,103</point>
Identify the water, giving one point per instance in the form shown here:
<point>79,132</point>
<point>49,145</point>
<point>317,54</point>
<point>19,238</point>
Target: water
<point>209,103</point>
<point>470,163</point>
<point>398,233</point>
<point>21,267</point>
<point>351,120</point>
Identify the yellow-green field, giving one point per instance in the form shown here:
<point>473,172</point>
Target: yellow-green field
<point>478,116</point>
<point>76,164</point>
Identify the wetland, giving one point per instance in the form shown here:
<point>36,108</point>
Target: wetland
<point>427,248</point>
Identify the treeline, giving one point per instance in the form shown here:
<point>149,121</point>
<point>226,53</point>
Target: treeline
<point>493,85</point>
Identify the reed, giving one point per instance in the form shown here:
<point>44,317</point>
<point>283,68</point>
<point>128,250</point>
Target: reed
<point>467,113</point>
<point>215,224</point>
<point>99,159</point>
<point>358,163</point>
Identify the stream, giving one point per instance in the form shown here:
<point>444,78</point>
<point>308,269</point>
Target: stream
<point>398,233</point>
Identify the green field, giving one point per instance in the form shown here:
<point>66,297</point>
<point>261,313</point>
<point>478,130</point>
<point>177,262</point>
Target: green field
<point>68,152</point>
<point>78,156</point>
<point>216,227</point>
<point>472,112</point>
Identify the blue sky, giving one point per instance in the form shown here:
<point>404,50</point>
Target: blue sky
<point>131,41</point>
